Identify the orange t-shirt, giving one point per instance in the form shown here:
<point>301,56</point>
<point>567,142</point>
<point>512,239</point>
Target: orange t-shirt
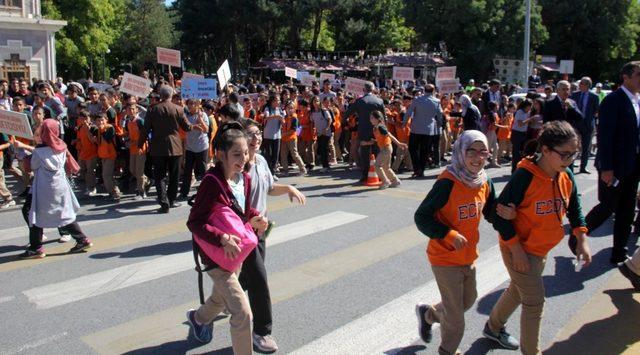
<point>87,149</point>
<point>383,140</point>
<point>134,135</point>
<point>308,132</point>
<point>505,133</point>
<point>106,148</point>
<point>289,130</point>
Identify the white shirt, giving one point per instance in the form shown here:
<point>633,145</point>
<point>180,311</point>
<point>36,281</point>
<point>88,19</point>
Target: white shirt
<point>635,101</point>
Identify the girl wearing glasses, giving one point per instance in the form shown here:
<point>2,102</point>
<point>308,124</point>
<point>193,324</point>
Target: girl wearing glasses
<point>542,190</point>
<point>450,215</point>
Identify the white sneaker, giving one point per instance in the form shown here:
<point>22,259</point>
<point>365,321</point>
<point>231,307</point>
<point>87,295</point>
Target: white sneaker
<point>64,238</point>
<point>264,344</point>
<point>396,184</point>
<point>44,237</point>
<point>8,204</point>
<point>90,193</point>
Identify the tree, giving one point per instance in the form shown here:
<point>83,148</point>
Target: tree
<point>93,26</point>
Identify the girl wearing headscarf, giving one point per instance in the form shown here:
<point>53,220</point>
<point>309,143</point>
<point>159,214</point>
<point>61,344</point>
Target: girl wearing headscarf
<point>51,202</point>
<point>449,216</point>
<point>470,114</point>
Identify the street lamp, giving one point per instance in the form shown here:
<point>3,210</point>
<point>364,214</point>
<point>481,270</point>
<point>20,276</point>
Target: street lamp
<point>527,37</point>
<point>104,61</point>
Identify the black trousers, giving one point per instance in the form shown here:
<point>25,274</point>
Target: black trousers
<point>271,152</point>
<point>192,162</point>
<point>620,200</point>
<point>253,279</point>
<point>167,192</point>
<point>433,149</point>
<point>586,133</point>
<point>418,149</point>
<point>364,158</point>
<point>323,150</point>
<point>518,140</point>
<point>35,232</point>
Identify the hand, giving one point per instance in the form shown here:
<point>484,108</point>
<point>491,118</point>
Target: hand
<point>583,252</point>
<point>295,193</point>
<point>520,260</point>
<point>259,223</point>
<point>459,241</point>
<point>607,177</point>
<point>506,212</point>
<point>230,245</point>
<point>403,145</point>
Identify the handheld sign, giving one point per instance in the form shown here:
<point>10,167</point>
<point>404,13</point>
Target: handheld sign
<point>169,57</point>
<point>135,85</point>
<point>448,86</point>
<point>224,74</point>
<point>445,73</point>
<point>187,75</point>
<point>402,73</point>
<point>307,80</point>
<point>566,67</point>
<point>325,76</point>
<point>354,86</point>
<point>199,89</point>
<point>290,73</point>
<point>15,124</point>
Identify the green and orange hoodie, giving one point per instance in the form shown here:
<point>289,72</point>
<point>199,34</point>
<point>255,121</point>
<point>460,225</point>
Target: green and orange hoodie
<point>541,204</point>
<point>451,207</point>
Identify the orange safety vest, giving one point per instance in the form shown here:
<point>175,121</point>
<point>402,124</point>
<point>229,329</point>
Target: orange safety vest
<point>134,136</point>
<point>87,150</point>
<point>383,140</point>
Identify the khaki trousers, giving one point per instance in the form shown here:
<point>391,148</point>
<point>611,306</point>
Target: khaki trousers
<point>227,293</point>
<point>136,167</point>
<point>457,285</point>
<point>108,166</point>
<point>307,151</point>
<point>525,289</point>
<point>402,155</point>
<point>4,191</point>
<point>383,166</point>
<point>285,149</point>
<point>88,168</point>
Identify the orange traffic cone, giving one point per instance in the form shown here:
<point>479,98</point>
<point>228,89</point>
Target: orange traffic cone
<point>372,177</point>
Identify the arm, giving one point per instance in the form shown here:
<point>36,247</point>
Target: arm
<point>574,210</point>
<point>424,216</point>
<point>606,133</point>
<point>513,193</point>
<point>489,207</point>
<point>145,131</point>
<point>409,113</point>
<point>279,189</point>
<point>208,194</point>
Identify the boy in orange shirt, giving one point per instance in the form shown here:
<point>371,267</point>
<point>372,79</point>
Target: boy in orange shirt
<point>307,135</point>
<point>86,145</point>
<point>137,156</point>
<point>107,154</point>
<point>402,155</point>
<point>383,139</point>
<point>289,141</point>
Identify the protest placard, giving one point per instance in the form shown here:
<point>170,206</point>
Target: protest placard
<point>301,74</point>
<point>101,87</point>
<point>290,73</point>
<point>135,85</point>
<point>354,86</point>
<point>187,75</point>
<point>199,89</point>
<point>325,76</point>
<point>566,67</point>
<point>307,80</point>
<point>169,57</point>
<point>448,86</point>
<point>15,124</point>
<point>402,73</point>
<point>445,73</point>
<point>224,74</point>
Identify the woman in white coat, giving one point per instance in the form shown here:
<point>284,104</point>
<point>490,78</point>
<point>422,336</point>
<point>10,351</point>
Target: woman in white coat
<point>51,202</point>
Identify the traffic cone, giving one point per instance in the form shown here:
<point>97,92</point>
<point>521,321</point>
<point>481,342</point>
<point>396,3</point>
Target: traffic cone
<point>372,177</point>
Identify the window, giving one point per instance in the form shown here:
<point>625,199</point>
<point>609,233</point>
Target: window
<point>11,3</point>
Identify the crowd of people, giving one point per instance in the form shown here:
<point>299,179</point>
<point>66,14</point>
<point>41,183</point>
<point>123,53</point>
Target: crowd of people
<point>238,146</point>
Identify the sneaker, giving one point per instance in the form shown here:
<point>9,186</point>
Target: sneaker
<point>202,332</point>
<point>7,204</point>
<point>64,238</point>
<point>629,274</point>
<point>33,254</point>
<point>81,246</point>
<point>503,338</point>
<point>138,197</point>
<point>395,184</point>
<point>91,192</point>
<point>275,178</point>
<point>424,328</point>
<point>384,186</point>
<point>44,238</point>
<point>264,344</point>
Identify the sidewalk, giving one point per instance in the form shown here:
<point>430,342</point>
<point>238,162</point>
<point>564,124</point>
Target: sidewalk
<point>608,324</point>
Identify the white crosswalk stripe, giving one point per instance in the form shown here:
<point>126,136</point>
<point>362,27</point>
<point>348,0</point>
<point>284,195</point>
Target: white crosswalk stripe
<point>91,285</point>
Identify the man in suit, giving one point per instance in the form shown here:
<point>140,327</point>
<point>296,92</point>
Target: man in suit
<point>534,79</point>
<point>491,95</point>
<point>161,123</point>
<point>588,103</point>
<point>363,107</point>
<point>618,160</point>
<point>561,107</point>
<point>426,122</point>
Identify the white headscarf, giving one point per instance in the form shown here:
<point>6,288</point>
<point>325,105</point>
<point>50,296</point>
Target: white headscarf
<point>466,103</point>
<point>457,167</point>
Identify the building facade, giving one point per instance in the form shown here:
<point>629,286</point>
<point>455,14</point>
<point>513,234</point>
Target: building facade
<point>27,41</point>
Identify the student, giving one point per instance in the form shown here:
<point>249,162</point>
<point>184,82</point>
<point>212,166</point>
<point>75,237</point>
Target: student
<point>402,133</point>
<point>87,147</point>
<point>542,190</point>
<point>519,130</point>
<point>137,156</point>
<point>229,185</point>
<point>273,119</point>
<point>196,146</point>
<point>7,198</point>
<point>504,132</point>
<point>322,121</point>
<point>307,135</point>
<point>383,139</point>
<point>449,216</point>
<point>492,137</point>
<point>105,139</point>
<point>290,140</point>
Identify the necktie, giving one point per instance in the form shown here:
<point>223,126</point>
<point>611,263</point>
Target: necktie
<point>583,104</point>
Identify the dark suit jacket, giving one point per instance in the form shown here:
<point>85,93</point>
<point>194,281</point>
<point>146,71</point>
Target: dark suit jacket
<point>618,135</point>
<point>162,121</point>
<point>363,108</point>
<point>486,99</point>
<point>593,104</point>
<point>553,112</point>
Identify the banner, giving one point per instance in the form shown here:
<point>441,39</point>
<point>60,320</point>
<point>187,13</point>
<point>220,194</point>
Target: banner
<point>449,86</point>
<point>187,75</point>
<point>101,87</point>
<point>199,89</point>
<point>224,74</point>
<point>169,57</point>
<point>402,73</point>
<point>566,67</point>
<point>135,85</point>
<point>301,74</point>
<point>308,80</point>
<point>290,73</point>
<point>354,86</point>
<point>445,73</point>
<point>15,124</point>
<point>327,76</point>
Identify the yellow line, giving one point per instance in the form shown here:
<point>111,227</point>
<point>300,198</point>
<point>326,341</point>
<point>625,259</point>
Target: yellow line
<point>166,326</point>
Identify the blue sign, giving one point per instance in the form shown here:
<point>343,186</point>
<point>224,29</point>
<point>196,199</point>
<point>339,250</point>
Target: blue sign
<point>199,89</point>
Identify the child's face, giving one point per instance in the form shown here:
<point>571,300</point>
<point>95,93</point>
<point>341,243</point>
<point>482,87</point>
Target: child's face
<point>104,101</point>
<point>475,157</point>
<point>193,106</point>
<point>38,116</point>
<point>18,106</point>
<point>132,111</point>
<point>374,121</point>
<point>93,96</point>
<point>237,156</point>
<point>512,110</point>
<point>101,122</point>
<point>254,137</point>
<point>560,157</point>
<point>290,110</point>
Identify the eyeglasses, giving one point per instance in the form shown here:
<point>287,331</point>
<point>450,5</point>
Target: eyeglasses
<point>567,156</point>
<point>256,134</point>
<point>473,153</point>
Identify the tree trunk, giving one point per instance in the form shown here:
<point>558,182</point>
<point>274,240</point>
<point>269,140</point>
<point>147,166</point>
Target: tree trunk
<point>316,29</point>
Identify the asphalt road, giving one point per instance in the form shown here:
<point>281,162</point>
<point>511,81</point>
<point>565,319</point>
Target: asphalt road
<point>345,272</point>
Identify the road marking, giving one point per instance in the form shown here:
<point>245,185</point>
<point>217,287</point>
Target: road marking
<point>35,344</point>
<point>370,335</point>
<point>65,292</point>
<point>166,326</point>
<point>23,231</point>
<point>7,299</point>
